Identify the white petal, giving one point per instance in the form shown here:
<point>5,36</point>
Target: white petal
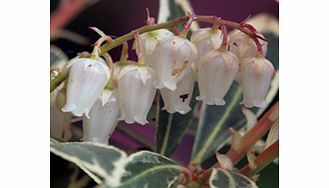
<point>103,120</point>
<point>87,79</point>
<point>136,96</point>
<point>243,46</point>
<point>60,121</point>
<point>171,59</point>
<point>256,75</point>
<point>150,41</point>
<point>178,100</point>
<point>206,39</point>
<point>216,75</point>
<point>106,95</point>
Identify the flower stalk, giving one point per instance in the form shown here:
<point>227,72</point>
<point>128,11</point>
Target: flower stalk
<point>170,24</point>
<point>223,47</point>
<point>248,140</point>
<point>265,158</point>
<point>254,134</point>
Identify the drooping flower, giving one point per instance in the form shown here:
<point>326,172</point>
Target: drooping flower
<point>206,39</point>
<point>60,122</point>
<point>103,119</point>
<point>216,75</point>
<point>179,100</point>
<point>171,59</point>
<point>149,42</point>
<point>87,79</point>
<point>243,46</point>
<point>256,74</point>
<point>136,93</point>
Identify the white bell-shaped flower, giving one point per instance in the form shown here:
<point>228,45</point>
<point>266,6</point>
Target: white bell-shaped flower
<point>150,40</point>
<point>243,46</point>
<point>136,93</point>
<point>171,59</point>
<point>256,74</point>
<point>206,39</point>
<point>103,119</point>
<point>60,122</point>
<point>179,100</point>
<point>216,75</point>
<point>87,79</point>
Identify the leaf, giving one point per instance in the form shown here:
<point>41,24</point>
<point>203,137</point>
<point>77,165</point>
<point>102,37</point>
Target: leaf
<point>147,169</point>
<point>58,58</point>
<point>172,127</point>
<point>66,174</point>
<point>168,10</point>
<point>273,135</point>
<point>97,160</point>
<point>212,132</point>
<point>229,179</point>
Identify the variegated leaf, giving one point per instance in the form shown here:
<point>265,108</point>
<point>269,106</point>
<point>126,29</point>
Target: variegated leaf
<point>97,160</point>
<point>221,178</point>
<point>148,169</point>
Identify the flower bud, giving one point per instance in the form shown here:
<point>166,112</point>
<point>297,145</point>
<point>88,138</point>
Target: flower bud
<point>216,75</point>
<point>136,93</point>
<point>206,39</point>
<point>103,119</point>
<point>179,100</point>
<point>150,40</point>
<point>256,74</point>
<point>171,59</point>
<point>87,79</point>
<point>243,46</point>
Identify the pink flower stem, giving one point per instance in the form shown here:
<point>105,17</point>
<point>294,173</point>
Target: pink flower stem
<point>171,23</point>
<point>248,140</point>
<point>254,134</point>
<point>223,47</point>
<point>64,14</point>
<point>187,26</point>
<point>264,159</point>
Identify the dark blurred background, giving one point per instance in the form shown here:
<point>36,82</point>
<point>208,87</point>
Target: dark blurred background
<point>118,17</point>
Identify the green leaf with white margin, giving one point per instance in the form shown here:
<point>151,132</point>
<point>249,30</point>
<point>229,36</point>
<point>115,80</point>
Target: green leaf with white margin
<point>212,132</point>
<point>168,10</point>
<point>97,160</point>
<point>221,178</point>
<point>172,127</point>
<point>58,58</point>
<point>148,169</point>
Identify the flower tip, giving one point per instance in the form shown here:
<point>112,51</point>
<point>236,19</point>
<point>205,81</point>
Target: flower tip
<point>68,108</point>
<point>220,102</point>
<point>183,110</point>
<point>170,86</point>
<point>140,120</point>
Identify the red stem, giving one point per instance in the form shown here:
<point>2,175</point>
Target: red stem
<point>265,158</point>
<point>187,25</point>
<point>64,14</point>
<point>254,31</point>
<point>248,140</point>
<point>224,32</point>
<point>254,134</point>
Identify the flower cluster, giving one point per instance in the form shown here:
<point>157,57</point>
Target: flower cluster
<point>172,64</point>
